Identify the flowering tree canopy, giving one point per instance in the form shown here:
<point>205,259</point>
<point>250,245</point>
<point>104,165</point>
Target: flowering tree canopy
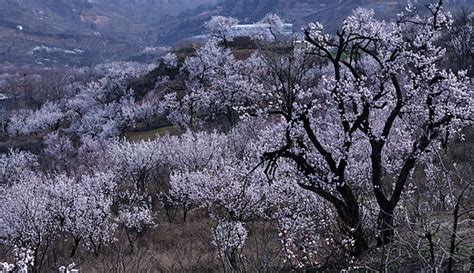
<point>220,28</point>
<point>382,103</point>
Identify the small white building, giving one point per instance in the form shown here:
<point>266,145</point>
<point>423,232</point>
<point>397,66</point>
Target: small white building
<point>3,96</point>
<point>259,29</point>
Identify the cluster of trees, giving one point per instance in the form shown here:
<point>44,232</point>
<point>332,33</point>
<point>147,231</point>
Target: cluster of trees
<point>339,145</point>
<point>104,107</point>
<point>353,116</point>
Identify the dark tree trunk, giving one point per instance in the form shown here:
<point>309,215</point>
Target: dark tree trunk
<point>185,213</point>
<point>350,216</point>
<point>385,226</point>
<point>348,211</point>
<point>75,247</point>
<point>360,245</point>
<point>454,233</point>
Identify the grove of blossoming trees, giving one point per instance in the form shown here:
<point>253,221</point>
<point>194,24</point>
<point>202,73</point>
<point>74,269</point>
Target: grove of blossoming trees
<point>391,104</point>
<point>103,107</point>
<point>330,156</point>
<point>356,124</point>
<point>48,117</point>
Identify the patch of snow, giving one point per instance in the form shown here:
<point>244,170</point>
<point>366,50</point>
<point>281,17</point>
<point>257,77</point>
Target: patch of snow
<point>46,49</point>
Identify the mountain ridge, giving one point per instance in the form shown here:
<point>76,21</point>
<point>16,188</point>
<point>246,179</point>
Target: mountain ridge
<point>107,30</point>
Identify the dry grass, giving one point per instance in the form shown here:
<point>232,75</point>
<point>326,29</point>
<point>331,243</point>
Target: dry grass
<point>184,247</point>
<point>169,247</point>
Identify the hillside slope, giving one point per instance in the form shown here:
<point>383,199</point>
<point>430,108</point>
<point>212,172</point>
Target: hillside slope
<point>84,32</point>
<point>80,32</point>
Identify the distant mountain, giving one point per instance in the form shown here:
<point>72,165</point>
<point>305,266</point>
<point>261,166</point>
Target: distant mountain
<point>299,12</point>
<point>327,11</point>
<point>81,32</point>
<point>48,32</point>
